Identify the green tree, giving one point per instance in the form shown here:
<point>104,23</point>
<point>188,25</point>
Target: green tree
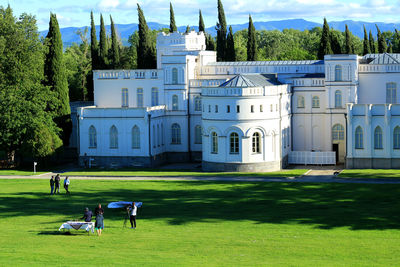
<point>382,46</point>
<point>94,46</point>
<point>210,43</point>
<point>26,128</point>
<point>348,47</point>
<point>372,43</point>
<point>396,42</point>
<point>202,28</point>
<point>145,49</point>
<point>103,50</point>
<point>390,48</point>
<point>221,33</point>
<point>251,42</point>
<point>366,47</point>
<point>325,43</point>
<point>187,29</point>
<point>336,42</point>
<point>172,25</point>
<point>230,54</point>
<point>56,79</point>
<point>114,52</point>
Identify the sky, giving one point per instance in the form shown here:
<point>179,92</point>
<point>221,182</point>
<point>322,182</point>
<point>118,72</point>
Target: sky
<point>76,13</point>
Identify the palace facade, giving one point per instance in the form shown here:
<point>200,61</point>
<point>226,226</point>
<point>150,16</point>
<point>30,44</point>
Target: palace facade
<point>243,116</point>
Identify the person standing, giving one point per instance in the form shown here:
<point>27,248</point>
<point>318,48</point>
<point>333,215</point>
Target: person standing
<point>57,184</point>
<point>52,185</point>
<point>132,215</point>
<point>99,225</point>
<point>66,184</point>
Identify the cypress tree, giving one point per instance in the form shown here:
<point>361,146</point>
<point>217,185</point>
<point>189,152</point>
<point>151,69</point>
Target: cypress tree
<point>372,43</point>
<point>103,45</point>
<point>325,43</point>
<point>114,46</point>
<point>396,42</point>
<point>390,48</point>
<point>172,25</point>
<point>202,28</point>
<point>335,43</point>
<point>146,55</point>
<point>366,49</point>
<point>94,47</point>
<point>56,79</point>
<point>187,29</point>
<point>348,47</point>
<point>251,42</point>
<point>230,47</point>
<point>382,46</point>
<point>221,33</point>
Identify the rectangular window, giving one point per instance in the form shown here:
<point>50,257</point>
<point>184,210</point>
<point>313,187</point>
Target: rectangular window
<point>272,108</point>
<point>216,108</point>
<point>238,109</point>
<point>252,109</point>
<point>124,97</point>
<point>139,97</point>
<point>261,108</point>
<point>154,96</point>
<point>228,109</point>
<point>209,108</point>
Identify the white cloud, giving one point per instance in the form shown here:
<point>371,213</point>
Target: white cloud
<point>107,5</point>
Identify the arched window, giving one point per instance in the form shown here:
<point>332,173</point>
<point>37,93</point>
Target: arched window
<point>125,102</point>
<point>92,137</point>
<point>378,138</point>
<point>359,138</point>
<point>391,93</point>
<point>300,102</point>
<point>234,143</point>
<point>256,143</point>
<point>154,96</point>
<point>338,99</point>
<point>315,102</point>
<point>174,102</point>
<point>338,73</point>
<point>396,138</point>
<point>139,97</point>
<point>135,137</point>
<point>113,137</point>
<point>214,143</point>
<point>175,134</point>
<point>337,132</point>
<point>174,76</point>
<point>197,134</point>
<point>197,103</point>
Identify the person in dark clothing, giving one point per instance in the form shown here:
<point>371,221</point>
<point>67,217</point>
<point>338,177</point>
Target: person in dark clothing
<point>132,209</point>
<point>52,185</point>
<point>99,225</point>
<point>87,215</point>
<point>57,184</point>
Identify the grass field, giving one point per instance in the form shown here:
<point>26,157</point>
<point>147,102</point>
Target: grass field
<point>371,173</point>
<point>204,224</point>
<point>161,172</point>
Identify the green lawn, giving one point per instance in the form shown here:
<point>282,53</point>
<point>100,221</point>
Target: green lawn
<point>19,172</point>
<point>160,172</point>
<point>204,224</point>
<point>370,173</point>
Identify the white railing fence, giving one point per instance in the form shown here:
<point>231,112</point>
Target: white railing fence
<point>312,158</point>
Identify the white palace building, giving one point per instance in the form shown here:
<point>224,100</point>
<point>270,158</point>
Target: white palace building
<point>244,116</point>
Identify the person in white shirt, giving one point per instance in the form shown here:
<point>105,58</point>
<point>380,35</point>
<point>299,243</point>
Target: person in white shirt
<point>132,209</point>
<point>66,184</point>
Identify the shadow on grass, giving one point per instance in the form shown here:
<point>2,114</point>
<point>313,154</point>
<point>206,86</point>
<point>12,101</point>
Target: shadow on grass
<point>325,206</point>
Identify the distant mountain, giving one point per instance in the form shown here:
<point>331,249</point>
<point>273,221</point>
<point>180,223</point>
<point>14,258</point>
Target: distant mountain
<point>69,35</point>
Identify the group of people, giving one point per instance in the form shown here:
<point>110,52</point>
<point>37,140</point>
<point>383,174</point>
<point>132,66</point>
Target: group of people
<point>55,184</point>
<point>98,211</point>
<point>99,224</point>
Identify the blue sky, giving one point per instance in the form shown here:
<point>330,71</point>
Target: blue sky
<point>75,13</point>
